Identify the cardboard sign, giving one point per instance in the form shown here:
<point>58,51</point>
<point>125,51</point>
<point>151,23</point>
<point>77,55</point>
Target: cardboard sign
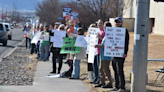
<point>68,46</point>
<point>44,36</point>
<point>67,12</point>
<point>92,31</point>
<point>58,38</point>
<point>80,41</point>
<point>92,49</point>
<point>114,42</point>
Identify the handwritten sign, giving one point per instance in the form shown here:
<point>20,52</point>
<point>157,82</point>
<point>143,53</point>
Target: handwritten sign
<point>92,49</point>
<point>81,41</point>
<point>68,46</point>
<point>114,41</point>
<point>58,38</point>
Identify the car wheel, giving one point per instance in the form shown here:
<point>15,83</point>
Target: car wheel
<point>9,37</point>
<point>5,43</point>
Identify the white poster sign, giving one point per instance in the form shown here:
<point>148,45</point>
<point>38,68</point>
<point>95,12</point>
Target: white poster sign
<point>81,41</point>
<point>114,42</point>
<point>52,39</point>
<point>44,36</point>
<point>92,31</point>
<point>58,38</point>
<point>92,49</point>
<point>35,39</point>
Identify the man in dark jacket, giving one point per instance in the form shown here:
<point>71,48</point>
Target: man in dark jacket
<point>118,62</point>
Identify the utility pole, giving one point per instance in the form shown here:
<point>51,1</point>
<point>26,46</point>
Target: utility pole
<point>140,47</point>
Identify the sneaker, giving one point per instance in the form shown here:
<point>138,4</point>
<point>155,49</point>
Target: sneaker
<point>114,89</point>
<point>53,72</point>
<point>121,90</point>
<point>107,86</point>
<point>98,85</point>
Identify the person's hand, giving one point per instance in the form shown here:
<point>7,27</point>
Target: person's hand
<point>96,46</point>
<point>125,55</point>
<point>98,35</point>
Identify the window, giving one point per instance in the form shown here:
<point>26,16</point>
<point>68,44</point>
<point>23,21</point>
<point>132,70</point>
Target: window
<point>1,27</point>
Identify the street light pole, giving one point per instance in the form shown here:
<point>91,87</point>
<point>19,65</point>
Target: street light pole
<point>140,47</point>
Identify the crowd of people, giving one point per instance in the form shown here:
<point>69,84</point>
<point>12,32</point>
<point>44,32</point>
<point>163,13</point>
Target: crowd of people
<point>100,72</point>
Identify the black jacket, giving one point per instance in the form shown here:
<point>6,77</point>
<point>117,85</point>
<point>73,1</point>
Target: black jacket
<point>126,42</point>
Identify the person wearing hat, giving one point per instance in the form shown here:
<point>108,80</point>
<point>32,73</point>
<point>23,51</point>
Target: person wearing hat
<point>56,25</point>
<point>118,62</point>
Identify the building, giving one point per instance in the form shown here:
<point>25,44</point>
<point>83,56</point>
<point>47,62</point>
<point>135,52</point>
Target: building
<point>156,15</point>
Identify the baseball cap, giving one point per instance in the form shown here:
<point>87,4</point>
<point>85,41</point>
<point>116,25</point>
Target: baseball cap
<point>118,18</point>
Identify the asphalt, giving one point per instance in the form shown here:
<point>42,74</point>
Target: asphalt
<point>43,84</point>
<point>17,37</point>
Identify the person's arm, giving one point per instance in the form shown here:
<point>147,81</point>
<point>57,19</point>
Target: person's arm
<point>99,46</point>
<point>126,44</point>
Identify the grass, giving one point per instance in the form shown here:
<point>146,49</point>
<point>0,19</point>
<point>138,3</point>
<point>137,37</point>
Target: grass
<point>155,50</point>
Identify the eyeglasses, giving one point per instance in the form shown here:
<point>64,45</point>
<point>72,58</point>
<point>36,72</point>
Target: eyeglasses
<point>117,21</point>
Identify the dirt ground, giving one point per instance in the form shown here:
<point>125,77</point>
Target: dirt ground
<point>155,51</point>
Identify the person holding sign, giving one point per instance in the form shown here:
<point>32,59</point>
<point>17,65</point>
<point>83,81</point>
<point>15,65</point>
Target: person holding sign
<point>44,47</point>
<point>104,64</point>
<point>27,30</point>
<point>77,58</point>
<point>56,53</point>
<point>118,62</point>
<point>96,69</point>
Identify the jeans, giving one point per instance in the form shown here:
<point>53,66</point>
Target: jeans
<point>96,69</point>
<point>56,54</point>
<point>118,65</point>
<point>44,52</point>
<point>38,50</point>
<point>76,69</point>
<point>28,40</point>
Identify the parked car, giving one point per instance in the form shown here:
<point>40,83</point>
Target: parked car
<point>3,34</point>
<point>8,29</point>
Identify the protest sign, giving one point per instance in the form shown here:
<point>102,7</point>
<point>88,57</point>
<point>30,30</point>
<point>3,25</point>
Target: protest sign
<point>81,41</point>
<point>68,46</point>
<point>67,12</point>
<point>114,41</point>
<point>44,36</point>
<point>58,38</point>
<point>92,31</point>
<point>92,49</point>
<point>34,39</point>
<point>74,16</point>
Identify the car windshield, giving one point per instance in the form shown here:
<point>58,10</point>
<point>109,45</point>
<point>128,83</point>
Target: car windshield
<point>1,27</point>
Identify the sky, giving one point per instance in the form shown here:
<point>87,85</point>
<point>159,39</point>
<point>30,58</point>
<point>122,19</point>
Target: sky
<point>22,5</point>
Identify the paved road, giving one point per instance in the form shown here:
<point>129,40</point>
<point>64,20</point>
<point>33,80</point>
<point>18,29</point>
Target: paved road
<point>17,37</point>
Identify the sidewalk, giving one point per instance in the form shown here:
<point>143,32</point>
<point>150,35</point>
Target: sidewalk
<point>42,84</point>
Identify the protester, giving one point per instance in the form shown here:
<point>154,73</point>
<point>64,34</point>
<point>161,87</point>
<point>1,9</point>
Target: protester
<point>56,54</point>
<point>100,35</point>
<point>33,47</point>
<point>71,27</point>
<point>56,25</point>
<point>118,63</point>
<point>104,66</point>
<point>28,40</point>
<point>90,68</point>
<point>37,45</point>
<point>77,58</point>
<point>44,45</point>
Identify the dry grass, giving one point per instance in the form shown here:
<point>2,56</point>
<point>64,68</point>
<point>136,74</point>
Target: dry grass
<point>155,50</point>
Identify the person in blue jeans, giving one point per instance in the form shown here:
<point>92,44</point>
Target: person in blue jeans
<point>77,58</point>
<point>44,46</point>
<point>28,40</point>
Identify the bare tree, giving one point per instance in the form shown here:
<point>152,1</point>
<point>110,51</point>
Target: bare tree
<point>49,11</point>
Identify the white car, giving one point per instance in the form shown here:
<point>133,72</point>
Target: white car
<point>8,29</point>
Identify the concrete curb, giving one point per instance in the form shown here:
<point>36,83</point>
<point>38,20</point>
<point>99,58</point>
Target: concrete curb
<point>16,46</point>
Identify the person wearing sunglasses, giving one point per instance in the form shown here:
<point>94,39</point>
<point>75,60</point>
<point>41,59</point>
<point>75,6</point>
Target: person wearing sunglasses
<point>118,62</point>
